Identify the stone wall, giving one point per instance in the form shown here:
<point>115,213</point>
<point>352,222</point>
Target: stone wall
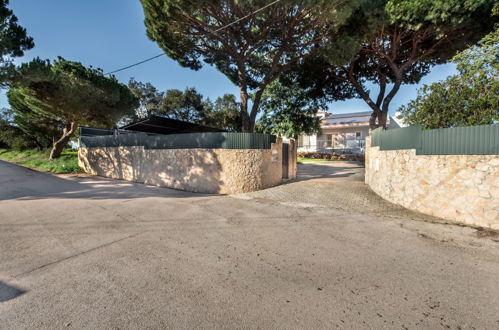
<point>223,171</point>
<point>462,188</point>
<point>292,155</point>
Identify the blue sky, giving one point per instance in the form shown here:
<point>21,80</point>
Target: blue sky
<point>110,34</point>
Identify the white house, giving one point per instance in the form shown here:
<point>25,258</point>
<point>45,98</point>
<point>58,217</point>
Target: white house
<point>340,133</point>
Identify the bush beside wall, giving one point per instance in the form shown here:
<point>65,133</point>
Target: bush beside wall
<point>332,156</point>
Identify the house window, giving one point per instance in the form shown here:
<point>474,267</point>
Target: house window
<point>304,141</point>
<point>300,141</point>
<point>339,139</point>
<point>358,135</point>
<point>329,140</point>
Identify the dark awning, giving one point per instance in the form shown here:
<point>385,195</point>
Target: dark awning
<point>162,125</point>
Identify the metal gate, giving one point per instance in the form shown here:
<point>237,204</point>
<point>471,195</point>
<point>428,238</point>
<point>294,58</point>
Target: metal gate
<point>285,160</point>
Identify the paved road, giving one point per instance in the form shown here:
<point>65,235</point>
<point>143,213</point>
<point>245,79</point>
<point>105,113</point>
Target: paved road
<point>85,252</point>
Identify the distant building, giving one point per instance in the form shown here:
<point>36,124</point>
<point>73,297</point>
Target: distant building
<point>400,121</point>
<point>345,132</point>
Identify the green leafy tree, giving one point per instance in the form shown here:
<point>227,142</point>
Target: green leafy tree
<point>289,111</point>
<point>466,99</point>
<point>187,105</point>
<point>71,94</point>
<point>225,114</point>
<point>394,42</point>
<point>41,130</point>
<point>11,136</point>
<point>13,42</point>
<point>150,98</point>
<point>251,42</point>
<point>26,130</point>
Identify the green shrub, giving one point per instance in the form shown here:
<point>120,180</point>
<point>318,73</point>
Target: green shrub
<point>67,163</point>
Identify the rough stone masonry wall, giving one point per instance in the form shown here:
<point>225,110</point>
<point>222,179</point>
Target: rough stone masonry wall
<point>462,188</point>
<point>223,171</point>
<point>292,155</point>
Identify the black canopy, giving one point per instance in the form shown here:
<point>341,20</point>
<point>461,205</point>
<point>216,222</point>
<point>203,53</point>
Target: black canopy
<point>162,125</point>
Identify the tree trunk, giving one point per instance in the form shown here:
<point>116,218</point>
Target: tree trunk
<point>59,145</point>
<point>373,119</point>
<point>254,109</point>
<point>247,127</point>
<point>383,114</point>
<point>243,94</point>
<point>246,121</point>
<point>382,117</point>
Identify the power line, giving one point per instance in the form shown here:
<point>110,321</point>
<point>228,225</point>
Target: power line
<point>135,64</point>
<point>213,32</point>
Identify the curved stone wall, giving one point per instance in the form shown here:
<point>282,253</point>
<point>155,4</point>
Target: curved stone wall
<point>222,171</point>
<point>462,188</point>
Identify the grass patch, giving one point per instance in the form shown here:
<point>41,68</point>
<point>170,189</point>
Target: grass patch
<point>39,160</point>
<point>315,160</point>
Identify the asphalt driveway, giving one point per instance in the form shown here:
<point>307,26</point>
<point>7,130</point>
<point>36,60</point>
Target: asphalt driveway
<point>86,252</point>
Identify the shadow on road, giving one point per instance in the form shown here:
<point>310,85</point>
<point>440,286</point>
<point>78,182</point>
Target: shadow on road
<point>22,183</point>
<point>8,292</point>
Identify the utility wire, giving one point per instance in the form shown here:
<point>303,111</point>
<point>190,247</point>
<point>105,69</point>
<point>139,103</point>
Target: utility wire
<point>213,32</point>
<point>135,64</point>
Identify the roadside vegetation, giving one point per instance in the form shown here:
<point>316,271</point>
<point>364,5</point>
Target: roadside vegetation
<point>327,156</point>
<point>314,160</point>
<point>66,163</point>
<point>468,98</point>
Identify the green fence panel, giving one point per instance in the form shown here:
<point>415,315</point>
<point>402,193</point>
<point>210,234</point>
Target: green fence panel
<point>211,140</point>
<point>398,138</point>
<point>376,137</point>
<point>473,140</point>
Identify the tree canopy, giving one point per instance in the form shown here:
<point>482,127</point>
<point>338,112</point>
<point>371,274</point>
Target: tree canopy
<point>251,42</point>
<point>150,98</point>
<point>393,42</point>
<point>289,111</point>
<point>71,94</point>
<point>188,105</point>
<point>224,113</point>
<point>466,99</point>
<point>37,130</point>
<point>14,41</point>
<point>11,136</point>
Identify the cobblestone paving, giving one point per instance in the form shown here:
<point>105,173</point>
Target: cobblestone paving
<point>338,185</point>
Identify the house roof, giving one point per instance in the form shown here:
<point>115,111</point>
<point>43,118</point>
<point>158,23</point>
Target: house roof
<point>163,125</point>
<point>344,118</point>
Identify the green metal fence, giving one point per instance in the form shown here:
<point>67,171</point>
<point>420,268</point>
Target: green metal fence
<point>210,140</point>
<point>399,138</point>
<point>473,140</point>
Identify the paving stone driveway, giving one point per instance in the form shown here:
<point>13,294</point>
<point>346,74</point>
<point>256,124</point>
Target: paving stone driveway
<point>338,185</point>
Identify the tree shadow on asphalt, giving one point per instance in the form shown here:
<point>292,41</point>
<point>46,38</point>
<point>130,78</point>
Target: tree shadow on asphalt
<point>8,292</point>
<point>38,185</point>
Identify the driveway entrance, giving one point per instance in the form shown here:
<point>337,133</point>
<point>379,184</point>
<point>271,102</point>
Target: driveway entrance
<point>337,185</point>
